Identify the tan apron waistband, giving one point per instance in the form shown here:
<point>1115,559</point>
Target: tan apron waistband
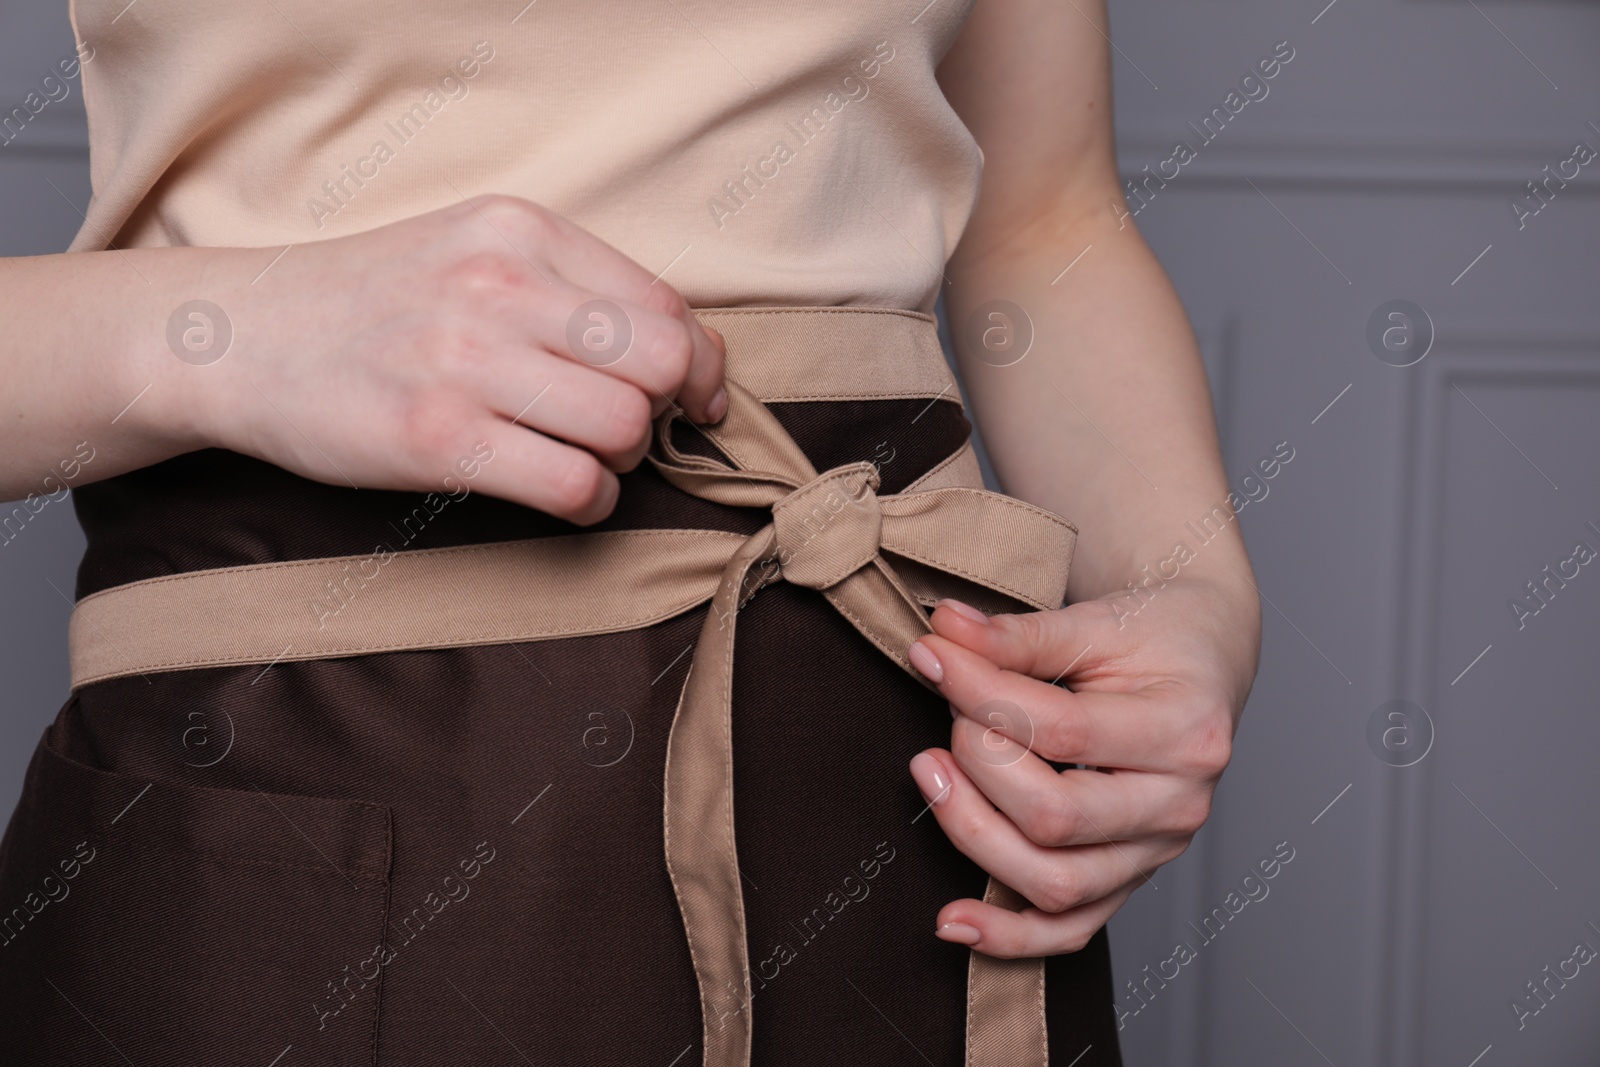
<point>880,560</point>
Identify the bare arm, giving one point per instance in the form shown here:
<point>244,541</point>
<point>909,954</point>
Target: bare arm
<point>1106,420</point>
<point>84,336</point>
<point>377,360</point>
<point>1114,364</point>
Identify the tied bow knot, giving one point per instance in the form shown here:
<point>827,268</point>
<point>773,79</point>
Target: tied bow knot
<point>830,527</point>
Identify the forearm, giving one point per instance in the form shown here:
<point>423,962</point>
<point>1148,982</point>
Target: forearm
<point>89,386</point>
<point>1108,418</point>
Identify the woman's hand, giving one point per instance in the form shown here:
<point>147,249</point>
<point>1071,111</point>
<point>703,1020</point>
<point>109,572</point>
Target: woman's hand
<point>381,359</point>
<point>1153,702</point>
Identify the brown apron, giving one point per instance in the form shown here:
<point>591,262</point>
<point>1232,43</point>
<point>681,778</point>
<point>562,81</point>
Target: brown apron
<point>878,540</point>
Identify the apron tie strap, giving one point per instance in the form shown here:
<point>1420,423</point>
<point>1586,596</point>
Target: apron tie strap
<point>830,532</point>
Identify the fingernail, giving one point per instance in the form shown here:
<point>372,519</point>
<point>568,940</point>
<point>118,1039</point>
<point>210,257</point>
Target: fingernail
<point>960,933</point>
<point>718,406</point>
<point>965,609</point>
<point>930,778</point>
<point>955,712</point>
<point>926,662</point>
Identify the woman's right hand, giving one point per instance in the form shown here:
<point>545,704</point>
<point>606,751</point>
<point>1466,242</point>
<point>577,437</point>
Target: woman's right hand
<point>384,359</point>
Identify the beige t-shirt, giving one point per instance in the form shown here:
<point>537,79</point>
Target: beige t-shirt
<point>753,152</point>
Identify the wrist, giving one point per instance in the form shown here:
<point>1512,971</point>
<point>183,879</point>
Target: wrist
<point>183,360</point>
<point>1219,568</point>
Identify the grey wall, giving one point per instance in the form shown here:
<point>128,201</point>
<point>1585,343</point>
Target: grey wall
<point>1420,899</point>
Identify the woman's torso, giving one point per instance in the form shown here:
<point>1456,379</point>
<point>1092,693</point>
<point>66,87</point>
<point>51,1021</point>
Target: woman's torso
<point>220,126</point>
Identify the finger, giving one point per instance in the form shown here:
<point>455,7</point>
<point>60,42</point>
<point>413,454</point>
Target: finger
<point>1102,729</point>
<point>571,293</point>
<point>617,338</point>
<point>1079,638</point>
<point>559,398</point>
<point>1000,932</point>
<point>514,313</point>
<point>1054,879</point>
<point>1075,807</point>
<point>531,469</point>
<point>588,262</point>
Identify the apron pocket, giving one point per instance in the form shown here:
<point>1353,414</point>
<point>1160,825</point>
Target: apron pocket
<point>158,922</point>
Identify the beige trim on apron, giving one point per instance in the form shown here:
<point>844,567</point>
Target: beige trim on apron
<point>944,534</point>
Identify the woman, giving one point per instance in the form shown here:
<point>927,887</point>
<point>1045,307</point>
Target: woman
<point>373,321</point>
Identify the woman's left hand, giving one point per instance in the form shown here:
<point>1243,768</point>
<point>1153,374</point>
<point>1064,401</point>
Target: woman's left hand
<point>1156,688</point>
